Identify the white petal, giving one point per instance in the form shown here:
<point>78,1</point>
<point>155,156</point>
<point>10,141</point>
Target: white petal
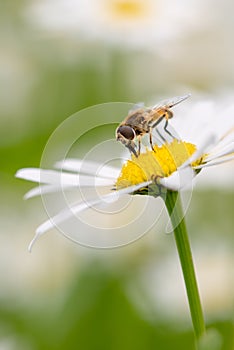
<point>229,134</point>
<point>47,176</point>
<point>73,210</point>
<point>224,142</point>
<point>43,189</point>
<point>216,162</point>
<point>226,139</point>
<point>33,241</point>
<point>37,191</point>
<point>179,179</point>
<point>54,177</point>
<point>225,151</point>
<point>209,141</point>
<point>220,177</point>
<point>87,167</point>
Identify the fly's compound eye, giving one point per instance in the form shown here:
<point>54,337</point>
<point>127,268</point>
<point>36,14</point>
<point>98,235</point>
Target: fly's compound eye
<point>127,132</point>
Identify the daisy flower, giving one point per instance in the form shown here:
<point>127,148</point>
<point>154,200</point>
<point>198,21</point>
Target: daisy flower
<point>172,165</point>
<point>125,22</point>
<point>162,171</point>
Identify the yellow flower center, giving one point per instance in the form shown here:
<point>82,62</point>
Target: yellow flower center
<point>161,162</point>
<point>128,9</point>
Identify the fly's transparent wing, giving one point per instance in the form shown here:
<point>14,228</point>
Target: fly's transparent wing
<point>171,102</point>
<point>136,106</point>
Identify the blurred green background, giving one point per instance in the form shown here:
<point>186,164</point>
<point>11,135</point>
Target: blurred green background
<point>52,64</point>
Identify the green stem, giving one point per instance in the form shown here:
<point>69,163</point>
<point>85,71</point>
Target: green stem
<point>174,207</point>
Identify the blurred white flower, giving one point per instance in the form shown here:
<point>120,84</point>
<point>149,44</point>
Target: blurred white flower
<point>215,269</point>
<point>17,79</point>
<point>125,22</point>
<point>172,165</point>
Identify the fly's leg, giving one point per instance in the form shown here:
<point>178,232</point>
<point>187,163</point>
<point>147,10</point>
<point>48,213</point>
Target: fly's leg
<point>132,149</point>
<point>130,145</point>
<point>158,132</point>
<point>167,131</point>
<point>151,140</point>
<point>139,146</point>
<point>160,135</point>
